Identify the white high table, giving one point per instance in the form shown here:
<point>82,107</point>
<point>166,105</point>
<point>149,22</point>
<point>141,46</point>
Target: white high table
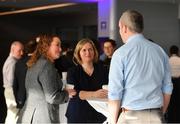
<point>100,105</point>
<point>62,112</point>
<point>63,108</point>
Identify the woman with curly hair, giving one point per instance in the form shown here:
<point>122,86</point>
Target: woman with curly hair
<point>43,84</point>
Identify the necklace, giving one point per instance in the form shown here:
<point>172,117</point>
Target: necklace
<point>89,71</point>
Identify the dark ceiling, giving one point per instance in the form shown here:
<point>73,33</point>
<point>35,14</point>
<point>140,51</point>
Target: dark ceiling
<point>77,7</point>
<point>81,7</point>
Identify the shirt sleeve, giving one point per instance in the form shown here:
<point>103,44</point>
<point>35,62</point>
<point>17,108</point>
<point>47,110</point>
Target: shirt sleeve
<point>73,78</point>
<point>116,86</point>
<point>167,83</point>
<point>9,72</point>
<point>103,71</point>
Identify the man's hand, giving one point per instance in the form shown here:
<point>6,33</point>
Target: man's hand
<point>114,108</point>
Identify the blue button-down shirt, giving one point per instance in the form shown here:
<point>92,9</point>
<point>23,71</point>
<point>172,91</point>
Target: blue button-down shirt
<point>139,74</point>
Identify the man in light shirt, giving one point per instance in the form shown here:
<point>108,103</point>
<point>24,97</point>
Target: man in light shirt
<point>16,52</point>
<point>139,77</point>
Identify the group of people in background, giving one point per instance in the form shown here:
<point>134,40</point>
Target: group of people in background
<point>138,75</point>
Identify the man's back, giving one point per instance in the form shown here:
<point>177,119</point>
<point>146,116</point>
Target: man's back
<point>143,75</point>
<point>139,77</point>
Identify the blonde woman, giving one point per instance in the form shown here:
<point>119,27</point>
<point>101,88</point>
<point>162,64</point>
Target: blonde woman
<point>87,77</point>
<point>43,84</point>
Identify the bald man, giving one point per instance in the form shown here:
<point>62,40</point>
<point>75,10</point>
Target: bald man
<point>16,53</point>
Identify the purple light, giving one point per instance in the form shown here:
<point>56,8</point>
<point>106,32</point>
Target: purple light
<point>86,1</point>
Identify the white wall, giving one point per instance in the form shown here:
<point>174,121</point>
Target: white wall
<point>160,21</point>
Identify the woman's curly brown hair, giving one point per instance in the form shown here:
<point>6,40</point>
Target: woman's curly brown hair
<point>41,49</point>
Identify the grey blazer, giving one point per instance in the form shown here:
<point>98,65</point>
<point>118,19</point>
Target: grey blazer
<point>44,94</point>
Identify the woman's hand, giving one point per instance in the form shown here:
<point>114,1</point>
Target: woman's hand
<point>101,93</point>
<point>71,92</point>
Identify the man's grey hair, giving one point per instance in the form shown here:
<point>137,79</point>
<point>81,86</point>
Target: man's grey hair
<point>133,20</point>
<point>14,44</point>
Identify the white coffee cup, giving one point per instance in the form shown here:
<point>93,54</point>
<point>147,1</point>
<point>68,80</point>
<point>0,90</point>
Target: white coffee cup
<point>64,75</point>
<point>105,87</point>
<point>69,86</point>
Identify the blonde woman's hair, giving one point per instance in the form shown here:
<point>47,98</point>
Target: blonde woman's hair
<point>133,20</point>
<point>41,49</point>
<point>79,46</point>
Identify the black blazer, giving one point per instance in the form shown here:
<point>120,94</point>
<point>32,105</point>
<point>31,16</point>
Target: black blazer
<point>19,81</point>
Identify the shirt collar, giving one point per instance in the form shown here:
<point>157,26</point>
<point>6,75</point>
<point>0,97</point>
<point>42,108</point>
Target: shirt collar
<point>135,36</point>
<point>11,55</point>
<point>174,55</point>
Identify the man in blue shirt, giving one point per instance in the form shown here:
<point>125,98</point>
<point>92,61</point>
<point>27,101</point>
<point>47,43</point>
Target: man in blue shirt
<point>139,78</point>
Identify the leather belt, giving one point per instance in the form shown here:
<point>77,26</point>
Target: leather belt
<point>125,110</point>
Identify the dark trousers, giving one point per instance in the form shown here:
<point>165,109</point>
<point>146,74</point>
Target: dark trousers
<point>173,113</point>
<point>3,109</point>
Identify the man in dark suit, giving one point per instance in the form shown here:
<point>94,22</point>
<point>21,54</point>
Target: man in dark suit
<point>20,74</point>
